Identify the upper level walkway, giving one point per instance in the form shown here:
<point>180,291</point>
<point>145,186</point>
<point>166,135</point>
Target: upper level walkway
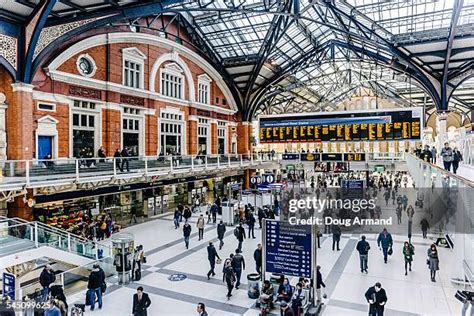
<point>21,174</point>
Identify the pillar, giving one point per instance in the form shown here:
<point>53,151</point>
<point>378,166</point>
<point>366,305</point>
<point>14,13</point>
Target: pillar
<point>441,126</point>
<point>19,208</point>
<point>3,133</point>
<point>192,136</point>
<point>247,174</point>
<point>244,133</point>
<point>214,137</point>
<point>111,131</point>
<point>20,122</point>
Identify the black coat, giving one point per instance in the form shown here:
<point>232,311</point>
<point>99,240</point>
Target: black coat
<point>186,230</point>
<point>220,230</point>
<point>257,255</point>
<point>212,253</point>
<point>46,278</point>
<point>95,280</point>
<point>139,307</point>
<point>380,296</point>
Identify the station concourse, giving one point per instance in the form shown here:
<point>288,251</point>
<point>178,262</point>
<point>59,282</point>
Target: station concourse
<point>277,157</point>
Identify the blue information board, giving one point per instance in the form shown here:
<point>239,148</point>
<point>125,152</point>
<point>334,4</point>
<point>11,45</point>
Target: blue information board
<point>288,249</point>
<point>352,184</point>
<point>8,285</point>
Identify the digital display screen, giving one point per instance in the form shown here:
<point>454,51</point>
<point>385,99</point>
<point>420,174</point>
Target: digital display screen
<point>376,125</point>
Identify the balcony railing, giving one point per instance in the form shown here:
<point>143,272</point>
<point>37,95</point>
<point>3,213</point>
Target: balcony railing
<point>39,173</point>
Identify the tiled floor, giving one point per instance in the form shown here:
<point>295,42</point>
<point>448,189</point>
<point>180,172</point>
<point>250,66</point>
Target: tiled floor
<point>408,295</point>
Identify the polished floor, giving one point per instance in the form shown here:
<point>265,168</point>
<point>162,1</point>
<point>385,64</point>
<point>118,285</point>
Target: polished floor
<point>414,294</point>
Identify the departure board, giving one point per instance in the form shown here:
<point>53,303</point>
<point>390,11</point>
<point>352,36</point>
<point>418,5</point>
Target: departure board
<point>376,125</point>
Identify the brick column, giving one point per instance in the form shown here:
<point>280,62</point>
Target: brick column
<point>3,132</point>
<point>244,132</point>
<point>111,131</point>
<point>214,137</point>
<point>247,174</point>
<point>20,123</point>
<point>192,136</point>
<point>151,135</point>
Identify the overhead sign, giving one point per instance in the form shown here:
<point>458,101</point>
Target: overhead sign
<point>288,249</point>
<point>342,126</point>
<point>8,285</point>
<point>352,184</point>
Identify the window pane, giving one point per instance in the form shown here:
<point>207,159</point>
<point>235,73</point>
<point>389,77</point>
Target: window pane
<point>136,125</point>
<point>83,120</point>
<point>91,121</point>
<point>124,124</point>
<point>75,119</point>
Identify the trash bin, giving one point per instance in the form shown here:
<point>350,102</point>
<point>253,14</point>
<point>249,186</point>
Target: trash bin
<point>254,285</point>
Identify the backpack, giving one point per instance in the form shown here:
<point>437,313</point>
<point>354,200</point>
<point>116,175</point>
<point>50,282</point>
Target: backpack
<point>236,232</point>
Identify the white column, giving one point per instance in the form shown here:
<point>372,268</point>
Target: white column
<point>3,134</point>
<point>442,129</point>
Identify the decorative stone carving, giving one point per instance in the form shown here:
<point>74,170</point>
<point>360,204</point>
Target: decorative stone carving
<point>49,34</point>
<point>85,92</point>
<point>8,49</point>
<point>221,116</point>
<point>128,99</point>
<point>200,112</point>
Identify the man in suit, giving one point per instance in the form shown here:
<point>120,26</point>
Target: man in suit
<point>377,298</point>
<point>141,302</point>
<point>211,256</point>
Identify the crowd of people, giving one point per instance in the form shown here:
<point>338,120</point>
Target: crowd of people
<point>451,156</point>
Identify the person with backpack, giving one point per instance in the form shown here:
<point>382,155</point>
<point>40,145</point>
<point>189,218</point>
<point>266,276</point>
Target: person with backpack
<point>238,264</point>
<point>94,286</point>
<point>363,248</point>
<point>200,225</point>
<point>228,275</point>
<point>186,233</point>
<point>211,256</point>
<point>187,213</point>
<point>220,233</point>
<point>239,233</point>
<point>408,252</point>
<point>385,242</point>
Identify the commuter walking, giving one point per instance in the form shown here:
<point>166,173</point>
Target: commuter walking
<point>424,227</point>
<point>447,154</point>
<point>457,158</point>
<point>187,213</point>
<point>228,275</point>
<point>186,233</point>
<point>220,233</point>
<point>201,309</point>
<point>363,248</point>
<point>214,210</point>
<point>211,256</point>
<point>47,277</point>
<point>239,233</point>
<point>251,223</point>
<point>319,283</point>
<point>94,286</point>
<point>433,261</point>
<point>385,242</point>
<point>257,256</point>
<point>434,153</point>
<point>176,218</point>
<point>200,225</point>
<point>377,298</point>
<point>336,237</point>
<point>133,214</point>
<point>141,302</point>
<point>125,159</point>
<point>408,252</point>
<point>238,264</point>
<point>118,160</point>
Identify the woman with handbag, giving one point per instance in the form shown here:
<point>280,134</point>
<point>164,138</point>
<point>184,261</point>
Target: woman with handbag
<point>433,261</point>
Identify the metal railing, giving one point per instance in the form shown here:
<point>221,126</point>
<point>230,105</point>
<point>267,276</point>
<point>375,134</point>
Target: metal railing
<point>39,234</point>
<point>39,173</point>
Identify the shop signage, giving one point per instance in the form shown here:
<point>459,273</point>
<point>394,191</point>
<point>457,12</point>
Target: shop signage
<point>288,249</point>
<point>331,157</point>
<point>354,157</point>
<point>128,99</point>
<point>352,184</point>
<point>8,285</point>
<point>291,156</point>
<point>85,92</point>
<point>255,179</point>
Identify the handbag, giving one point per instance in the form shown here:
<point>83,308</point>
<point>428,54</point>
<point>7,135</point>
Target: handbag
<point>428,261</point>
<point>390,251</point>
<point>103,287</point>
<point>218,261</point>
